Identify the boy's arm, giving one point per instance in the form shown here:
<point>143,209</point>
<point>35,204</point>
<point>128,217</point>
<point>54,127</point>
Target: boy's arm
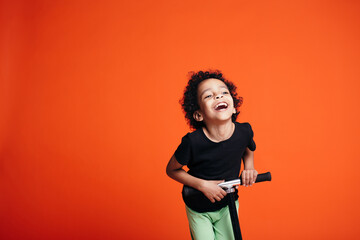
<point>210,188</point>
<point>249,173</point>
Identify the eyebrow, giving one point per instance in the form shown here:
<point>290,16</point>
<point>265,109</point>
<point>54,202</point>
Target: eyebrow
<point>210,89</point>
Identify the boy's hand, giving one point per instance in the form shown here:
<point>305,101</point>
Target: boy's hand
<point>248,177</point>
<point>212,191</point>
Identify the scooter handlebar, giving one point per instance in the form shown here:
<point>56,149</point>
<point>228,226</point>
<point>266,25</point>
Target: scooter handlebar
<point>262,177</point>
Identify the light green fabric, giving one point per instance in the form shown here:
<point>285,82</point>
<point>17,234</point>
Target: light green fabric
<point>211,225</point>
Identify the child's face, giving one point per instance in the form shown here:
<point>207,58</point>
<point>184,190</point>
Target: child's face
<point>215,101</point>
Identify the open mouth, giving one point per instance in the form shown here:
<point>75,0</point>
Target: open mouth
<point>221,106</point>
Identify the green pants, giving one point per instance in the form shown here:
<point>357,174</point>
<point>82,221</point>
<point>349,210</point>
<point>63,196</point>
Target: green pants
<point>211,225</point>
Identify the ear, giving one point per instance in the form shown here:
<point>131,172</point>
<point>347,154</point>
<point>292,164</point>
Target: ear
<point>234,111</point>
<point>197,116</point>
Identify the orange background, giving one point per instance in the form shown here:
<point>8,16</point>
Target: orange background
<point>90,116</point>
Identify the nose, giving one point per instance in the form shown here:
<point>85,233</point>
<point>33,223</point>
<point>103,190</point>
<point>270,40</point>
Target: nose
<point>218,96</point>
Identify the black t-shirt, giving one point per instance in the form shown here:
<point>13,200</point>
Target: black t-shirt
<point>213,161</point>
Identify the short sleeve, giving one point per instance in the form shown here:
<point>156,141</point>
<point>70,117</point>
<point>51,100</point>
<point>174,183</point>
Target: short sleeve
<point>183,152</point>
<point>252,145</point>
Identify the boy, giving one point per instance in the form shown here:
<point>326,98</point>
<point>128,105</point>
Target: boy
<point>213,153</point>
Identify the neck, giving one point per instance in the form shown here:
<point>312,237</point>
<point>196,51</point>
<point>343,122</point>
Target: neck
<point>219,132</point>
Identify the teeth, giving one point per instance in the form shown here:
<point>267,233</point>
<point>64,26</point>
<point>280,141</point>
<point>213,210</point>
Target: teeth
<point>221,104</point>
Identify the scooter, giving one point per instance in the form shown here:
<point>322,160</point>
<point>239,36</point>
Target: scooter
<point>229,187</point>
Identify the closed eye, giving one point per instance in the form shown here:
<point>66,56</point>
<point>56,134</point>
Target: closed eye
<point>207,96</point>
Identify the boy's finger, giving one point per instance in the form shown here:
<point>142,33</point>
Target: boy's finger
<point>248,176</point>
<point>244,178</point>
<point>251,177</point>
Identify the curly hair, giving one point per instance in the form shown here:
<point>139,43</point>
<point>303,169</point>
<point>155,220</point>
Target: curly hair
<point>189,101</point>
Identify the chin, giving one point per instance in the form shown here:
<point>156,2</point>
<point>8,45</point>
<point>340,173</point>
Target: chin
<point>225,119</point>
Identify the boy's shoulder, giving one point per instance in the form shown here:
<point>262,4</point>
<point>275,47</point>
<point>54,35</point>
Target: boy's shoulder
<point>244,125</point>
<point>194,134</point>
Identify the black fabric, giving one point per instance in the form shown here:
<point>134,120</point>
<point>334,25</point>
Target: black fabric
<point>213,161</point>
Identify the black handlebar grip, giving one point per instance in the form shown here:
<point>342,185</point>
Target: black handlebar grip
<point>263,177</point>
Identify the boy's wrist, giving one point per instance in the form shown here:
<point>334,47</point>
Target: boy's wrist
<point>200,185</point>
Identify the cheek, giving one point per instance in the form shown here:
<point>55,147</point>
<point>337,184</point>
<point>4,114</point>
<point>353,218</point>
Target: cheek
<point>232,101</point>
<point>206,106</point>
